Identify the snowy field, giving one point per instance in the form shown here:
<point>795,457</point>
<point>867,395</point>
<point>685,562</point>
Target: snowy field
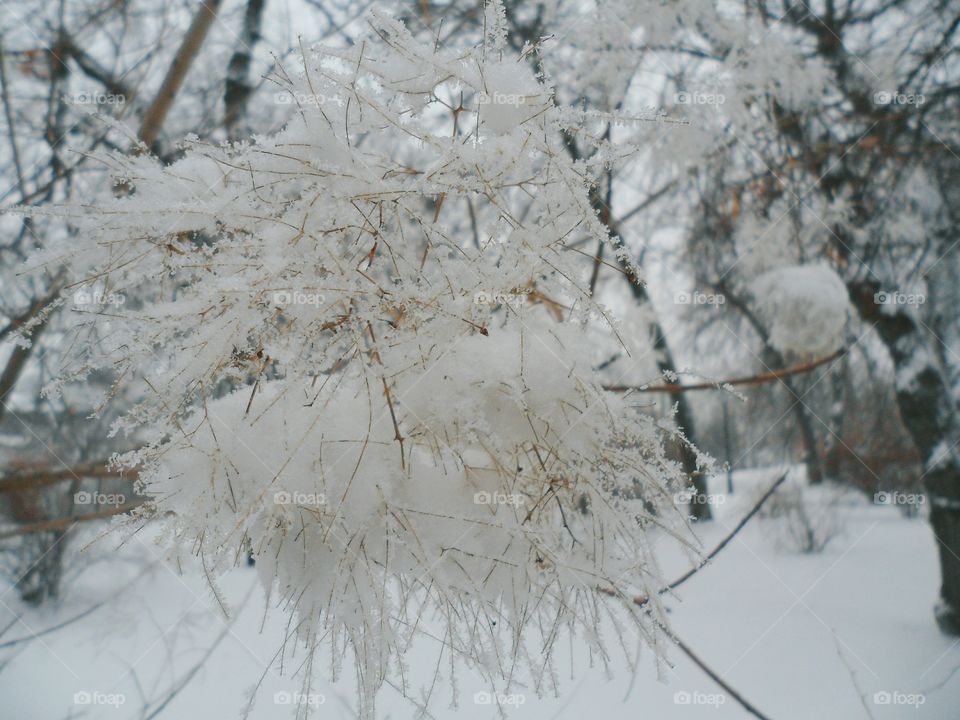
<point>846,633</point>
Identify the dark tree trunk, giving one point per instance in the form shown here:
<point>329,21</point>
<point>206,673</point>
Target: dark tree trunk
<point>521,36</point>
<point>942,489</point>
<point>39,556</point>
<point>238,86</point>
<point>930,414</point>
<point>811,453</point>
<point>700,508</point>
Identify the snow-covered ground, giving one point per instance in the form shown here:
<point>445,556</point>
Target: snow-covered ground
<point>846,633</point>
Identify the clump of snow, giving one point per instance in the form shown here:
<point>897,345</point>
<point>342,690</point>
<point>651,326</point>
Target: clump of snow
<point>804,307</point>
<point>394,410</point>
<point>510,96</point>
<point>520,492</point>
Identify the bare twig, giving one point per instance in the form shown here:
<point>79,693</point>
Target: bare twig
<point>685,649</point>
<point>30,313</point>
<point>93,69</point>
<point>723,543</point>
<point>760,379</point>
<point>642,600</point>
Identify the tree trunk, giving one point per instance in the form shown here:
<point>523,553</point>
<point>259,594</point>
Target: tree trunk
<point>238,87</point>
<point>700,507</point>
<point>811,455</point>
<point>772,358</point>
<point>192,42</point>
<point>530,34</point>
<point>930,415</point>
<point>942,489</point>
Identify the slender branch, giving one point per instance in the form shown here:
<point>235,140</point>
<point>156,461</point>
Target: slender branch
<point>185,680</point>
<point>30,313</point>
<point>723,543</point>
<point>91,68</point>
<point>17,362</point>
<point>79,616</point>
<point>744,703</point>
<point>68,522</point>
<point>760,379</point>
<point>46,631</point>
<point>648,201</point>
<point>642,600</point>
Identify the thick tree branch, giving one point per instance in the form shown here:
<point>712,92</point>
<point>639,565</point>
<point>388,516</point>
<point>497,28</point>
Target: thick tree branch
<point>17,361</point>
<point>65,523</point>
<point>32,478</point>
<point>157,112</point>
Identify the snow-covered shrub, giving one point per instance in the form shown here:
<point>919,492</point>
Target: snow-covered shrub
<point>805,308</point>
<point>805,518</point>
<point>392,407</point>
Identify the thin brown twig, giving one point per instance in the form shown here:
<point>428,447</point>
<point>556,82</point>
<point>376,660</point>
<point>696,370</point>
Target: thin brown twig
<point>675,388</point>
<point>386,391</point>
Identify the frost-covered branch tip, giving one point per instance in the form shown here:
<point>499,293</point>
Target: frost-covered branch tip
<point>393,409</point>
